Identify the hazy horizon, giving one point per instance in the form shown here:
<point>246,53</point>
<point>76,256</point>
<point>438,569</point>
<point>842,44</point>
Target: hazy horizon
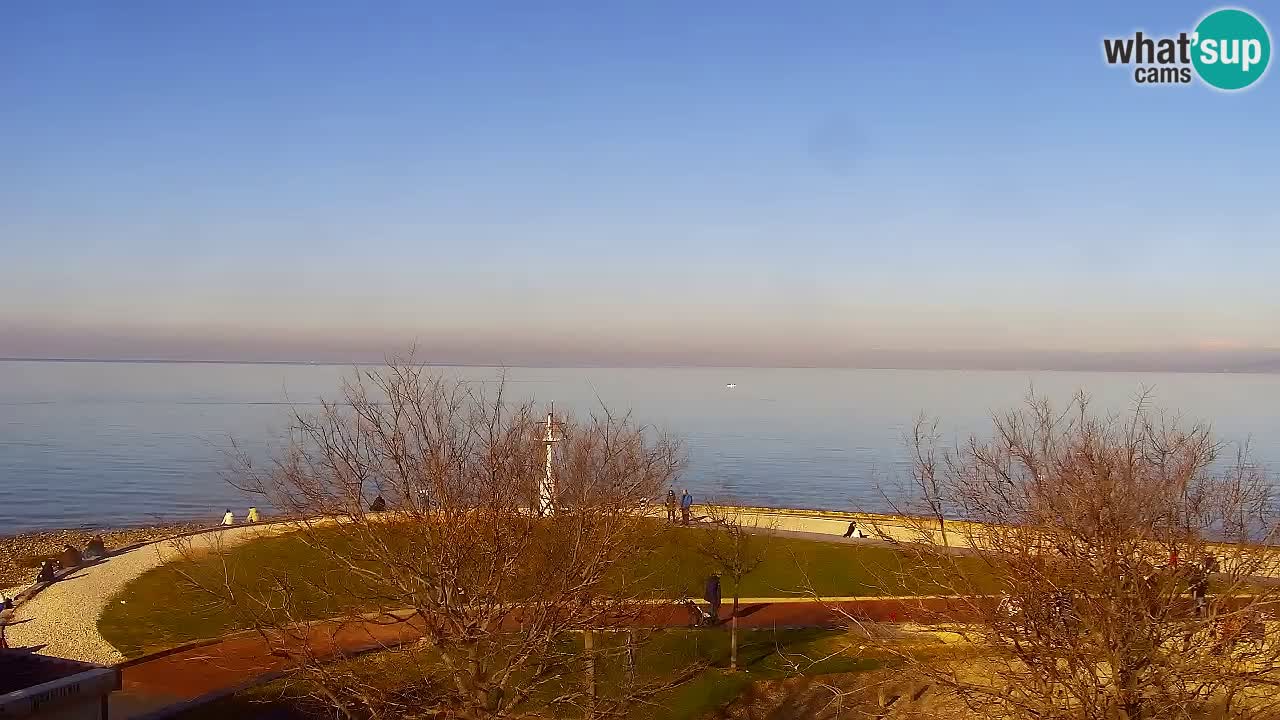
<point>907,185</point>
<point>1265,361</point>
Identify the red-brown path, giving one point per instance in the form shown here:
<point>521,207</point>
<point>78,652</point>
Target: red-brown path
<point>165,684</point>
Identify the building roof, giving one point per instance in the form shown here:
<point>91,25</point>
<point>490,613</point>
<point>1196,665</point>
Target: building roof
<point>20,670</point>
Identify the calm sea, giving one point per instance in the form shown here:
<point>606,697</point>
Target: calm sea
<point>116,443</point>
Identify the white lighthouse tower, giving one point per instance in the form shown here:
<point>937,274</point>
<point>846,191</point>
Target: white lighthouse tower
<point>547,488</point>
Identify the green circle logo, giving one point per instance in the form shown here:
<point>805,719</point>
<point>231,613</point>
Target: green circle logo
<point>1232,49</point>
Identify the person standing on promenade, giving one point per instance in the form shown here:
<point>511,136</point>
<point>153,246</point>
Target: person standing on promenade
<point>686,504</point>
<point>671,506</point>
<point>1200,584</point>
<point>713,597</point>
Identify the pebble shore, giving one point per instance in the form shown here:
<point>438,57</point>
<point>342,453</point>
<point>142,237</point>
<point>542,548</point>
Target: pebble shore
<point>18,551</point>
<point>62,620</point>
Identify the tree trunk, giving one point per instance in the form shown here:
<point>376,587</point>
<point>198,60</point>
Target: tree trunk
<point>631,659</point>
<point>588,647</point>
<point>733,636</point>
<point>1130,695</point>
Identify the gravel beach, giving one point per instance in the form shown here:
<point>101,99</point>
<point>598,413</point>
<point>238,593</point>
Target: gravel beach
<point>17,569</point>
<point>63,619</point>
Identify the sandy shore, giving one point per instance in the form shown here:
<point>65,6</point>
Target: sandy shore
<point>19,553</point>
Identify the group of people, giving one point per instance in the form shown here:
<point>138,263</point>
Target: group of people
<point>854,531</point>
<point>229,518</point>
<point>71,557</point>
<point>685,503</point>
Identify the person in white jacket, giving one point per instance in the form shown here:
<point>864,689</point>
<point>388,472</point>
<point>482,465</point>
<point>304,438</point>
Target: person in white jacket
<point>228,518</point>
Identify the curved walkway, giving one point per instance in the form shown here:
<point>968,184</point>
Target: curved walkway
<point>62,619</point>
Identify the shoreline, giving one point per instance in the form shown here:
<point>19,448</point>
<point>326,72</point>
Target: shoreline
<point>21,552</point>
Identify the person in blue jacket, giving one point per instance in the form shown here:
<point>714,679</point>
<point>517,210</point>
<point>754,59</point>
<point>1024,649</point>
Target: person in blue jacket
<point>686,503</point>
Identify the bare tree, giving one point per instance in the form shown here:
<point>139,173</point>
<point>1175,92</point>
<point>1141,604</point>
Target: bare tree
<point>491,610</point>
<point>731,543</point>
<point>1099,566</point>
<point>924,442</point>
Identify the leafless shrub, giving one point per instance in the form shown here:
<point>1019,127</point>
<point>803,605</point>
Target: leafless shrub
<point>489,608</point>
<point>1101,567</point>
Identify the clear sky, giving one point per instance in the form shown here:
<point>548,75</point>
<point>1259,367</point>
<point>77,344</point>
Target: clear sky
<point>632,183</point>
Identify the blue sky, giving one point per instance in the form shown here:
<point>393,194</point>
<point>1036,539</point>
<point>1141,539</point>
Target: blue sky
<point>767,183</point>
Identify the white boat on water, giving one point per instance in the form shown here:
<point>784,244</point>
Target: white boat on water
<point>731,386</point>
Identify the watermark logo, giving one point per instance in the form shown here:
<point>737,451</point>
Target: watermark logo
<point>1229,50</point>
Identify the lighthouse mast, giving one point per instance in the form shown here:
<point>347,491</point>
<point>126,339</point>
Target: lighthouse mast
<point>547,488</point>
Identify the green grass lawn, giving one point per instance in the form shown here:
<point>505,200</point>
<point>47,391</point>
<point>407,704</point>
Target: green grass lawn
<point>763,655</point>
<point>165,607</point>
<point>794,566</point>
